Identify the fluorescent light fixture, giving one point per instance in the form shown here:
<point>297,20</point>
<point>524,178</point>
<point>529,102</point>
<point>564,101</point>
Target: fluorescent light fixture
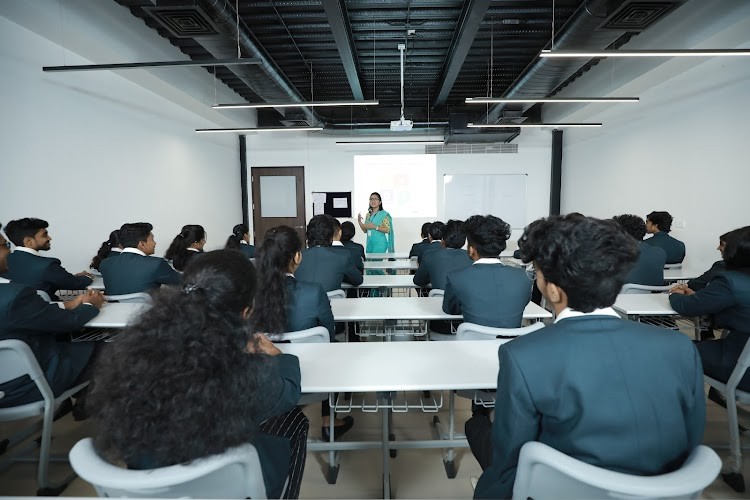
<point>493,100</point>
<point>645,53</point>
<point>534,125</point>
<point>153,64</point>
<point>262,129</point>
<point>311,104</point>
<point>398,143</point>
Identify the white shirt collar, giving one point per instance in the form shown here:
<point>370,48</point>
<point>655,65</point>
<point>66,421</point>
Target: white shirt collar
<point>487,260</point>
<point>243,242</point>
<point>290,275</point>
<point>115,249</point>
<point>570,313</point>
<point>337,244</point>
<point>28,250</point>
<point>193,250</point>
<point>133,250</point>
<point>4,280</point>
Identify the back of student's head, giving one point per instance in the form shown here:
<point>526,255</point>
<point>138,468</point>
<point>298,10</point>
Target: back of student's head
<point>177,370</point>
<point>273,257</point>
<point>453,234</point>
<point>320,231</point>
<point>662,220</point>
<point>426,229</point>
<point>238,234</point>
<point>112,242</point>
<point>588,258</point>
<point>487,234</point>
<point>737,249</point>
<point>17,230</point>
<point>178,251</point>
<point>631,224</point>
<point>436,231</point>
<point>347,231</point>
<point>133,233</point>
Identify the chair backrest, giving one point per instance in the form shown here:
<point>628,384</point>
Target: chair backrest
<point>544,472</point>
<point>743,363</point>
<point>44,295</point>
<point>318,334</point>
<point>436,292</point>
<point>636,288</point>
<point>138,297</point>
<point>17,360</point>
<point>236,473</point>
<point>471,331</point>
<point>673,266</point>
<point>336,294</point>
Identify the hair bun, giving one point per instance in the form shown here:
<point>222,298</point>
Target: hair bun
<point>188,288</point>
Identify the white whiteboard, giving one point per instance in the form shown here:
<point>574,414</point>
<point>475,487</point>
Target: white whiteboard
<point>503,196</point>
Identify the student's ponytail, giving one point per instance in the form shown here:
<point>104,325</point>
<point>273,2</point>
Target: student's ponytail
<point>238,233</point>
<point>105,248</point>
<point>178,251</point>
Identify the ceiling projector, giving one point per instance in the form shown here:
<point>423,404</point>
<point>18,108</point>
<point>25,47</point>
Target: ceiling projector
<point>401,125</point>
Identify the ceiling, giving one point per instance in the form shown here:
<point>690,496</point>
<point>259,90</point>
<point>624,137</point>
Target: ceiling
<point>328,50</point>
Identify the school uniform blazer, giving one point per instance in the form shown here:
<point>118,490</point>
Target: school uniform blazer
<point>429,247</point>
<point>674,248</point>
<point>488,294</point>
<point>701,281</point>
<point>307,306</point>
<point>614,393</point>
<point>27,317</point>
<point>438,263</point>
<point>43,273</point>
<point>248,250</point>
<point>353,254</point>
<point>649,268</point>
<point>132,273</point>
<point>328,268</point>
<point>357,250</point>
<point>418,248</point>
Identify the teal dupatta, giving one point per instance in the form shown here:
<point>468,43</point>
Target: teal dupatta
<point>378,242</point>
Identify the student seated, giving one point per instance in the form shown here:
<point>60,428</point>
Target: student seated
<point>110,248</point>
<point>436,264</point>
<point>320,263</point>
<point>488,292</point>
<point>339,246</point>
<point>186,245</point>
<point>189,379</point>
<point>28,267</point>
<point>134,270</point>
<point>347,233</point>
<point>435,236</point>
<point>614,393</point>
<point>25,316</point>
<point>659,224</point>
<point>240,240</point>
<point>418,248</point>
<point>649,269</point>
<point>716,268</point>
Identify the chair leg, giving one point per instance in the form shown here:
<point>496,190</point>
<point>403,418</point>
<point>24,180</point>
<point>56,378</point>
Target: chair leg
<point>734,477</point>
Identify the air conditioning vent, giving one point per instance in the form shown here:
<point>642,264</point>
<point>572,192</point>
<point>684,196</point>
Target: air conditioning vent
<point>471,149</point>
<point>638,15</point>
<point>183,22</point>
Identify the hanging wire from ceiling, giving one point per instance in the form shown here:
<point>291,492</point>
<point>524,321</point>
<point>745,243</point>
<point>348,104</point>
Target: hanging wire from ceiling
<point>237,22</point>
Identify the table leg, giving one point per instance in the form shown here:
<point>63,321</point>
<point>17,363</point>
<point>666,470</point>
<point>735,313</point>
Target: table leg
<point>386,454</point>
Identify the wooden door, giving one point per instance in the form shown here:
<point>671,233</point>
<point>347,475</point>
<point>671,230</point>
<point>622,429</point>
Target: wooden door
<point>278,199</point>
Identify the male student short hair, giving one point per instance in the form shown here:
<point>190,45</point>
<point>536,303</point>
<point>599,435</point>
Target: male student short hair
<point>453,234</point>
<point>320,231</point>
<point>17,230</point>
<point>662,220</point>
<point>336,224</point>
<point>631,224</point>
<point>436,230</point>
<point>588,258</point>
<point>487,234</point>
<point>133,233</point>
<point>426,229</point>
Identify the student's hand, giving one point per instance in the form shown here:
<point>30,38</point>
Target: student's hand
<point>93,297</point>
<point>681,289</point>
<point>260,343</point>
<point>84,273</point>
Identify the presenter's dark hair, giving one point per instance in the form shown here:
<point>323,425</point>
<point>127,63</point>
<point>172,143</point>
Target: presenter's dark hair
<point>380,198</point>
<point>105,248</point>
<point>631,224</point>
<point>662,220</point>
<point>453,234</point>
<point>347,231</point>
<point>320,231</point>
<point>737,249</point>
<point>436,230</point>
<point>273,257</point>
<point>588,258</point>
<point>17,230</point>
<point>487,234</point>
<point>238,233</point>
<point>133,233</point>
<point>426,229</point>
<point>161,389</point>
<point>178,251</point>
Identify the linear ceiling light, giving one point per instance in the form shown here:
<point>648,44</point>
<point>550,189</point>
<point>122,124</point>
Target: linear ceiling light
<point>311,104</point>
<point>533,125</point>
<point>262,129</point>
<point>153,64</point>
<point>492,100</point>
<point>398,143</point>
<point>645,53</point>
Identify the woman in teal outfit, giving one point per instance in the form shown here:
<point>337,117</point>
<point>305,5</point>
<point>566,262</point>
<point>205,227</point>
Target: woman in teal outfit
<point>378,225</point>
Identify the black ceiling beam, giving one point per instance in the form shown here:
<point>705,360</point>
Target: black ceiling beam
<point>469,24</point>
<point>154,64</point>
<point>339,21</point>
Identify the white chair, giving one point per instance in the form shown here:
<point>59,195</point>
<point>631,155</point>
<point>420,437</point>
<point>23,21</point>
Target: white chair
<point>138,297</point>
<point>436,292</point>
<point>236,473</point>
<point>636,288</point>
<point>44,295</point>
<point>336,294</point>
<point>17,360</point>
<point>545,473</point>
<point>317,335</point>
<point>734,477</point>
<point>673,266</point>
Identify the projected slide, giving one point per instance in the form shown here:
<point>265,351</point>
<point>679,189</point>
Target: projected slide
<point>407,184</point>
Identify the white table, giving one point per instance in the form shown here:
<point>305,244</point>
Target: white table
<point>392,264</point>
<point>385,281</point>
<point>637,305</point>
<point>116,315</point>
<point>98,283</point>
<point>683,273</point>
<point>388,255</point>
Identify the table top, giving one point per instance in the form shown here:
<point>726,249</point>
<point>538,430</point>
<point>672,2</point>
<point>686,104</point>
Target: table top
<point>98,283</point>
<point>116,315</point>
<point>387,255</point>
<point>385,281</point>
<point>397,366</point>
<point>652,304</point>
<point>391,264</point>
<point>684,273</point>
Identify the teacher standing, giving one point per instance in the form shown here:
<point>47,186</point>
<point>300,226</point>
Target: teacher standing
<point>378,225</point>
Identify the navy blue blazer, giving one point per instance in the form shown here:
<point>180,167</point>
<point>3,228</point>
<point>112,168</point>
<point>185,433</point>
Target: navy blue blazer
<point>429,247</point>
<point>27,317</point>
<point>617,394</point>
<point>307,306</point>
<point>353,256</point>
<point>438,263</point>
<point>674,248</point>
<point>328,268</point>
<point>488,294</point>
<point>418,248</point>
<point>356,249</point>
<point>43,273</point>
<point>132,273</point>
<point>701,281</point>
<point>248,250</point>
<point>649,268</point>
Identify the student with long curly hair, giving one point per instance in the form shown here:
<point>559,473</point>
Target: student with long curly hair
<point>189,379</point>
